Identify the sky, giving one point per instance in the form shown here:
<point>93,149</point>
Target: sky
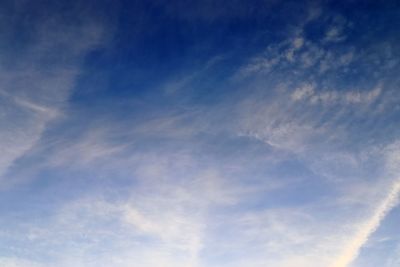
<point>202,133</point>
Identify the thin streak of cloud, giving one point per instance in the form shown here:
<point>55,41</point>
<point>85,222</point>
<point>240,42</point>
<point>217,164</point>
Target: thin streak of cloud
<point>353,248</point>
<point>37,84</point>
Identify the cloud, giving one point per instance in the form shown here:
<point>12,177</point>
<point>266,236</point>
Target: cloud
<point>36,84</point>
<point>176,85</point>
<point>15,262</point>
<point>262,177</point>
<point>336,32</point>
<point>160,222</point>
<point>367,228</point>
<point>332,97</point>
<point>303,92</point>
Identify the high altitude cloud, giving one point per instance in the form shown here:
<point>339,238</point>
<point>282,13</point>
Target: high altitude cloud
<point>37,80</point>
<point>280,150</point>
<point>352,249</point>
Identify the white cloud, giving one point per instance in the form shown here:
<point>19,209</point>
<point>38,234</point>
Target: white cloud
<point>336,31</point>
<point>364,231</point>
<point>33,93</point>
<point>308,93</point>
<point>334,34</point>
<point>186,205</point>
<point>303,92</point>
<point>363,97</point>
<point>15,262</point>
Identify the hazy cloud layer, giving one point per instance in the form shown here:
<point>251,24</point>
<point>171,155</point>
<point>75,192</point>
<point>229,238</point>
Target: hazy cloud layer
<point>279,151</point>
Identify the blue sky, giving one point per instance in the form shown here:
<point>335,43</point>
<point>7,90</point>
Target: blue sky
<point>199,133</point>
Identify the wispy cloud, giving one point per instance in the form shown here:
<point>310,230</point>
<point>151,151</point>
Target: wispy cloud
<point>38,83</point>
<point>331,97</point>
<point>368,227</point>
<point>281,164</point>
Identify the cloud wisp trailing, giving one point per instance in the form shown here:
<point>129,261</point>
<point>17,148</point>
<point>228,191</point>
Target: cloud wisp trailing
<point>367,228</point>
<point>137,134</point>
<point>37,83</point>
